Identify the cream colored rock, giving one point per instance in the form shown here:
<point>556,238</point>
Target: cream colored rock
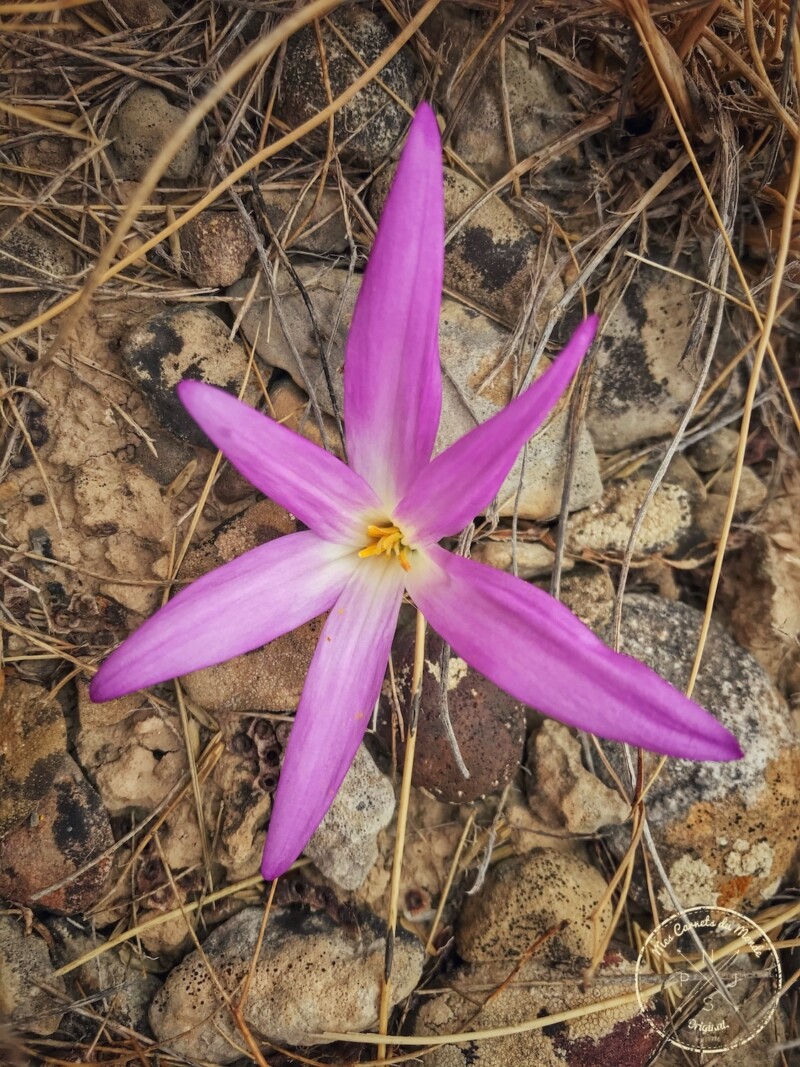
<point>533,559</point>
<point>605,527</point>
<point>311,975</point>
<point>527,897</point>
<point>562,792</point>
<point>478,382</point>
<point>145,123</point>
<point>344,846</point>
<point>752,491</point>
<point>109,713</point>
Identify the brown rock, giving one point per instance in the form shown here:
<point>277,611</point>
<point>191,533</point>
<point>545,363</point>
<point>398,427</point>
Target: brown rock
<point>270,678</point>
<point>489,725</point>
<point>324,230</point>
<point>369,125</point>
<point>32,261</point>
<point>533,559</point>
<point>70,830</point>
<point>292,407</point>
<point>24,967</point>
<point>216,246</point>
<point>145,122</point>
<point>752,491</point>
<point>141,12</point>
<point>33,747</point>
<point>545,892</point>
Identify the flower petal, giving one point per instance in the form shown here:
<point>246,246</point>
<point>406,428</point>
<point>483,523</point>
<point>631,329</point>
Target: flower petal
<point>538,651</point>
<point>340,692</point>
<point>302,477</point>
<point>461,481</point>
<point>393,382</point>
<point>233,609</point>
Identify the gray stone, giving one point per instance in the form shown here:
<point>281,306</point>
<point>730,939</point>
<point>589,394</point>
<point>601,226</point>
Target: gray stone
<point>527,897</point>
<point>344,847</point>
<point>311,975</point>
<point>314,222</point>
<point>24,967</point>
<point>30,260</point>
<point>183,342</point>
<point>478,382</point>
<point>641,383</point>
<point>726,832</point>
<point>493,257</point>
<point>370,124</point>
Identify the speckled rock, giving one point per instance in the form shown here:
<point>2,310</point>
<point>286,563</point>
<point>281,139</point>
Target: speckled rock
<point>489,725</point>
<point>561,791</point>
<point>588,592</point>
<point>538,108</point>
<point>269,678</point>
<point>524,898</point>
<point>605,526</point>
<point>183,342</point>
<point>494,255</point>
<point>477,373</point>
<point>28,259</point>
<point>311,975</point>
<point>305,221</point>
<point>135,762</point>
<point>109,713</point>
<point>70,828</point>
<point>641,383</point>
<point>369,125</point>
<point>726,832</point>
<point>344,846</point>
<point>141,12</point>
<point>33,745</point>
<point>533,559</point>
<point>763,591</point>
<point>216,246</point>
<point>620,1036</point>
<point>24,966</point>
<point>144,123</point>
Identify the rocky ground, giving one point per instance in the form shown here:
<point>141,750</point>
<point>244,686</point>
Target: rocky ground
<point>130,832</point>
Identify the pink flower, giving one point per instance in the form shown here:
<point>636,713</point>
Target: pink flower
<point>372,535</point>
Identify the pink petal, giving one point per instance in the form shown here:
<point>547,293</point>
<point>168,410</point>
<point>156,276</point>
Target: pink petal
<point>305,479</point>
<point>538,651</point>
<point>463,480</point>
<point>237,607</point>
<point>340,692</point>
<point>393,383</point>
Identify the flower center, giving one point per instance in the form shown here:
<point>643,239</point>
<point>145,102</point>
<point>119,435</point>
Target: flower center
<point>387,541</point>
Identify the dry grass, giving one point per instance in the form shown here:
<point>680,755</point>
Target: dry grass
<point>687,115</point>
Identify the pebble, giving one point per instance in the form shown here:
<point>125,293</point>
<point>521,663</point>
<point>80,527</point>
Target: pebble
<point>173,456</point>
<point>538,108</point>
<point>144,123</point>
<point>269,678</point>
<point>482,997</point>
<point>69,829</point>
<point>321,217</point>
<point>726,832</point>
<point>546,891</point>
<point>39,260</point>
<point>561,791</point>
<point>140,13</point>
<point>714,451</point>
<point>25,966</point>
<point>292,407</point>
<point>216,246</point>
<point>370,124</point>
<point>641,383</point>
<point>312,974</point>
<point>752,491</point>
<point>344,847</point>
<point>477,382</point>
<point>494,255</point>
<point>488,724</point>
<point>33,747</point>
<point>183,342</point>
<point>533,559</point>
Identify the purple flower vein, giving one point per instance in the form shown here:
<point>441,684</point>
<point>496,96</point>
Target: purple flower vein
<point>372,535</point>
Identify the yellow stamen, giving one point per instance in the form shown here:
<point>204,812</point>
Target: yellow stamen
<point>388,541</point>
